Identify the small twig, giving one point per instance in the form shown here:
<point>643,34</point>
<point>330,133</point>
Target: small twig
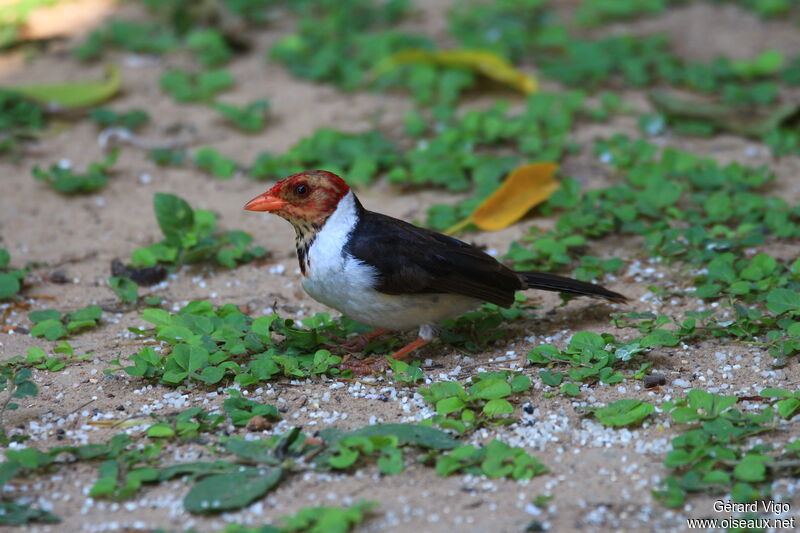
<point>80,407</point>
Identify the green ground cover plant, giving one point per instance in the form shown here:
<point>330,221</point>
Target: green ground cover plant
<point>53,325</point>
<point>10,279</point>
<point>719,231</point>
<point>191,235</point>
<point>65,180</point>
<point>715,454</point>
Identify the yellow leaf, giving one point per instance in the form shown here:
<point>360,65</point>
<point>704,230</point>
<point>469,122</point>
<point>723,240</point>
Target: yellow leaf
<point>124,423</point>
<point>489,64</point>
<point>75,94</point>
<point>527,186</point>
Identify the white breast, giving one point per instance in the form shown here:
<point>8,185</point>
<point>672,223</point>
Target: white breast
<point>345,283</point>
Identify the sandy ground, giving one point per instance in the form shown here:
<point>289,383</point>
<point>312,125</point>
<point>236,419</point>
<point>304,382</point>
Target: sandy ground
<point>600,478</point>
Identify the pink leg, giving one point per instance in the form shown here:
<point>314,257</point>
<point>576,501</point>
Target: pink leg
<point>372,365</point>
<point>412,346</point>
<point>354,344</point>
<point>360,342</point>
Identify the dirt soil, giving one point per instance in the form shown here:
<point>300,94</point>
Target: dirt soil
<point>600,479</point>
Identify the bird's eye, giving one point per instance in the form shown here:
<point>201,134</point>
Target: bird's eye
<point>302,189</point>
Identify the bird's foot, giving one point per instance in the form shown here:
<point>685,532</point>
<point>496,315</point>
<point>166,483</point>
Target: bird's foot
<point>373,365</point>
<point>365,367</point>
<point>358,343</point>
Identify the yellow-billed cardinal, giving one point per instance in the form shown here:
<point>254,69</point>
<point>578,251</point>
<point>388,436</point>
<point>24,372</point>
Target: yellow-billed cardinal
<point>387,273</point>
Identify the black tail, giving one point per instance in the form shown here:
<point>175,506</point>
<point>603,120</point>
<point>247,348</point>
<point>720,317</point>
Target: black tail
<point>551,282</point>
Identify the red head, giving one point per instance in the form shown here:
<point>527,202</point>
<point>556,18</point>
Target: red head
<point>306,198</point>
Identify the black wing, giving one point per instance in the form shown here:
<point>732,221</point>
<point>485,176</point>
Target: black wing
<point>417,260</point>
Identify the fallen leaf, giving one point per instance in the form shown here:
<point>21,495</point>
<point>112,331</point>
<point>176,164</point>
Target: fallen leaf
<point>124,423</point>
<point>74,94</point>
<point>525,187</point>
<point>258,423</point>
<point>745,121</point>
<point>766,63</point>
<point>486,63</point>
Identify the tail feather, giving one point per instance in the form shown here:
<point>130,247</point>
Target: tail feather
<point>552,282</point>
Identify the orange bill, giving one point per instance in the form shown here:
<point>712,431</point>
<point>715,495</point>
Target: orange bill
<point>265,202</point>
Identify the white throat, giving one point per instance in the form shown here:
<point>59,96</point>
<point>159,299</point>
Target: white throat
<point>324,252</point>
<point>342,221</point>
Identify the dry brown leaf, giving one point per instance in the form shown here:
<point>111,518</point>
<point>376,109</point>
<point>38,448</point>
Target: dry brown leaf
<point>524,188</point>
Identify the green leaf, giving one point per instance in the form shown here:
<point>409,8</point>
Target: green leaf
<point>35,355</point>
<point>144,257</point>
<point>788,407</point>
<point>345,458</point>
<point>8,469</point>
<point>106,483</point>
<point>45,314</point>
<point>489,389</point>
<point>254,451</point>
<point>125,288</point>
<point>9,285</point>
<point>498,407</point>
<point>422,436</point>
<point>198,469</point>
<point>210,46</point>
<point>520,383</point>
<point>660,337</point>
<point>570,389</point>
<point>160,430</point>
<point>771,392</point>
<point>781,301</point>
<point>323,519</point>
<point>174,376</point>
<point>225,492</point>
<point>175,334</point>
<point>241,410</point>
<point>623,412</point>
<point>750,470</point>
<point>766,63</point>
<point>717,477</point>
<point>586,340</point>
<point>65,348</point>
<point>66,181</point>
<point>131,120</point>
<point>29,458</point>
<point>211,374</point>
<point>215,163</point>
<point>75,94</point>
<point>198,358</point>
<point>551,378</point>
<point>250,118</point>
<point>174,215</point>
<point>391,463</point>
<point>189,87</point>
<point>75,325</point>
<point>261,325</point>
<point>449,405</point>
<point>156,316</point>
<point>18,514</point>
<point>49,329</point>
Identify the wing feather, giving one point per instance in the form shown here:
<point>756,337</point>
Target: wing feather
<point>416,260</point>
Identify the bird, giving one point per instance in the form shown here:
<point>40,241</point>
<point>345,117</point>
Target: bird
<point>388,273</point>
